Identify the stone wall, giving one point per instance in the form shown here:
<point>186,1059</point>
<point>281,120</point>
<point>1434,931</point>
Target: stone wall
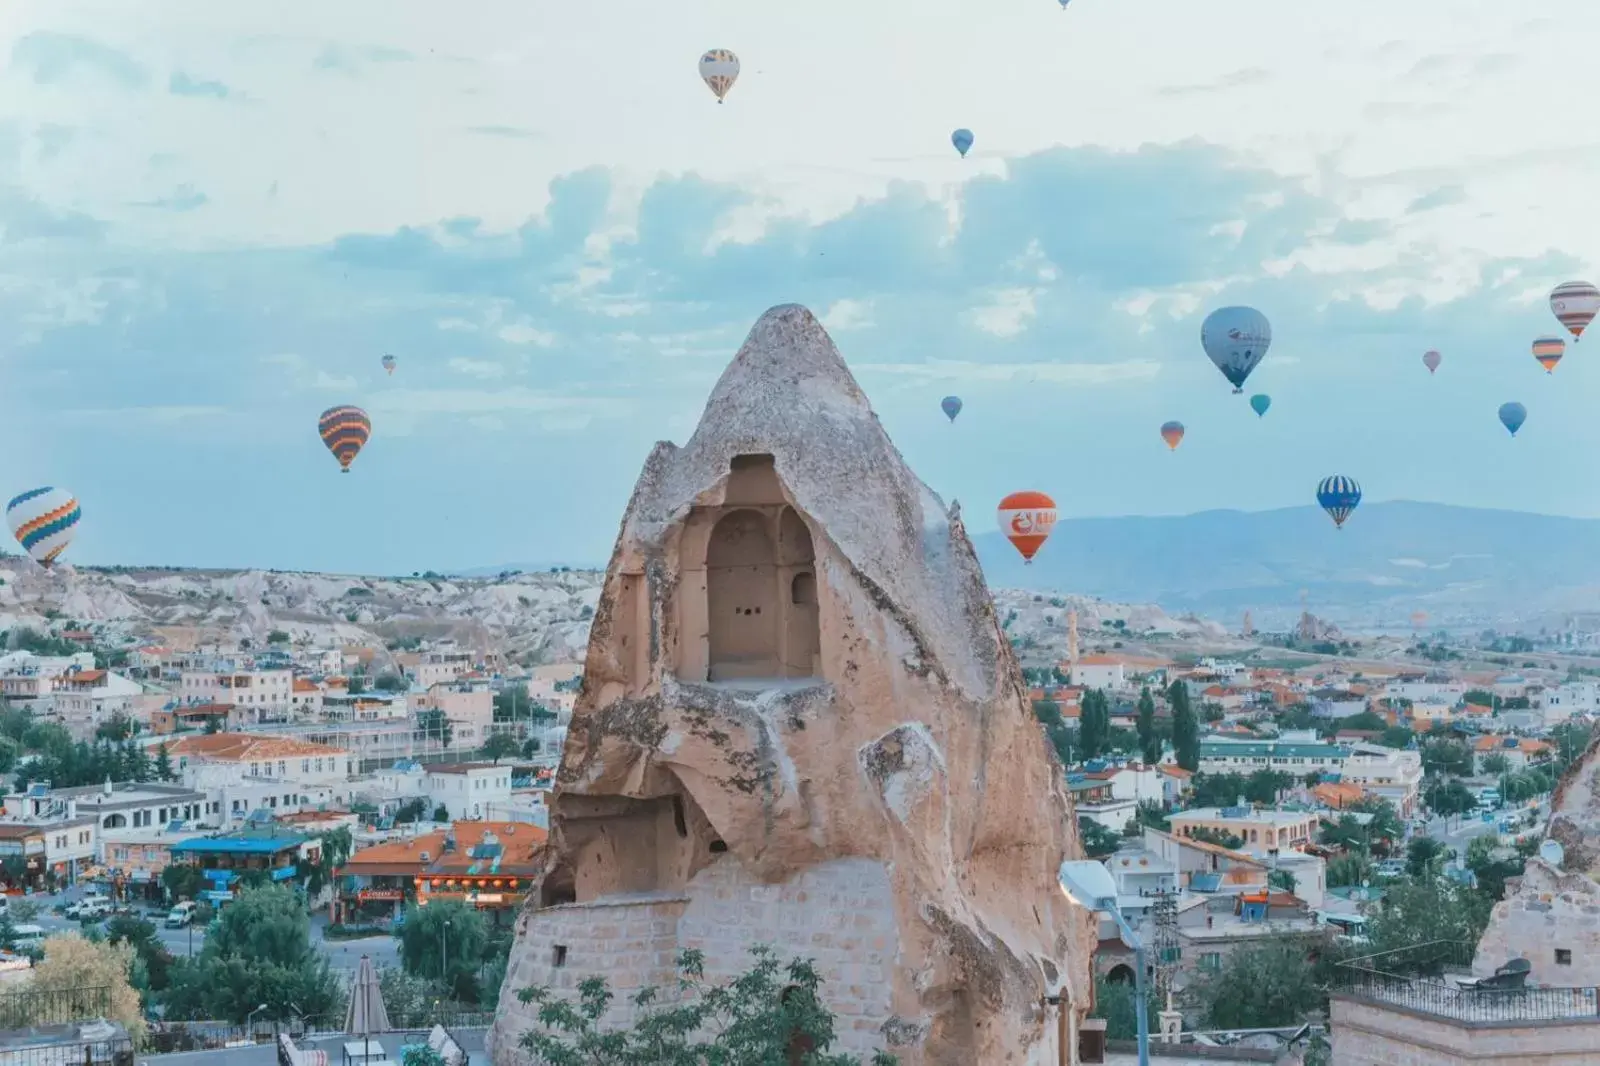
<point>1546,911</point>
<point>840,914</point>
<point>1366,1034</point>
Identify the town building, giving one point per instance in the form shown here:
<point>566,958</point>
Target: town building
<point>378,881</point>
<point>1261,832</point>
<point>261,695</point>
<point>174,717</point>
<point>467,789</point>
<point>1220,755</point>
<point>83,700</point>
<point>264,847</point>
<point>1386,773</point>
<point>22,856</point>
<point>1093,799</point>
<point>1100,671</point>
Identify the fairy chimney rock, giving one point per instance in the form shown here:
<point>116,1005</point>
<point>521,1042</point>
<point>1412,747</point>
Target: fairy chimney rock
<point>801,726</point>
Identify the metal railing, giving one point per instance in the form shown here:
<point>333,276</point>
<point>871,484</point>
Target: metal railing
<point>1429,977</point>
<point>34,1007</point>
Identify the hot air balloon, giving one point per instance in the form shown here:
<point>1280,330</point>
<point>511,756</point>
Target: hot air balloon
<point>1172,433</point>
<point>1236,339</point>
<point>1259,403</point>
<point>1339,495</point>
<point>1064,4</point>
<point>388,363</point>
<point>1431,360</point>
<point>1026,519</point>
<point>962,139</point>
<point>1512,415</point>
<point>345,430</point>
<point>719,68</point>
<point>44,521</point>
<point>1549,350</point>
<point>951,406</point>
<point>1419,619</point>
<point>1575,304</point>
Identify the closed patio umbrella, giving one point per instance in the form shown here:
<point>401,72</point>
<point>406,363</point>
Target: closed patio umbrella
<point>366,1014</point>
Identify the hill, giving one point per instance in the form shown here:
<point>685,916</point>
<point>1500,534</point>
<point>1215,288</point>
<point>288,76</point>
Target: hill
<point>1465,567</point>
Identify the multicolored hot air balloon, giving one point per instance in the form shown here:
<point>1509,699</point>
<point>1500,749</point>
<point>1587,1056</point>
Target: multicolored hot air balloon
<point>1236,339</point>
<point>1419,619</point>
<point>719,69</point>
<point>1575,304</point>
<point>1259,403</point>
<point>1339,495</point>
<point>44,521</point>
<point>345,430</point>
<point>962,139</point>
<point>1549,350</point>
<point>388,363</point>
<point>1172,433</point>
<point>1026,518</point>
<point>1512,415</point>
<point>1431,359</point>
<point>951,406</point>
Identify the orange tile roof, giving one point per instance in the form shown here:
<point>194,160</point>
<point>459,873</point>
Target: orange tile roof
<point>1337,794</point>
<point>1175,771</point>
<point>302,685</point>
<point>248,747</point>
<point>1101,660</point>
<point>519,842</point>
<point>88,677</point>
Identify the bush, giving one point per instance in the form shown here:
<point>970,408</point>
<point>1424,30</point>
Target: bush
<point>354,930</point>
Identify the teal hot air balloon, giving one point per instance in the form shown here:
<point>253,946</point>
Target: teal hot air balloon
<point>1512,415</point>
<point>962,139</point>
<point>951,406</point>
<point>1259,403</point>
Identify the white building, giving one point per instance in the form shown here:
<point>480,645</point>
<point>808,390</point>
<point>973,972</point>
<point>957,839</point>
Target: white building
<point>466,790</point>
<point>1561,702</point>
<point>261,695</point>
<point>338,705</point>
<point>70,846</point>
<point>1102,672</point>
<point>305,699</point>
<point>1448,693</point>
<point>1387,773</point>
<point>85,699</point>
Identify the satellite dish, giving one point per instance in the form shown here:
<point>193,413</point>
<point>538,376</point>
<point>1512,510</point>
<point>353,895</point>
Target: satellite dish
<point>1552,852</point>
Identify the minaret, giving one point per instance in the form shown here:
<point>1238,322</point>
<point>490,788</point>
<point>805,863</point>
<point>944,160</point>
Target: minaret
<point>1072,637</point>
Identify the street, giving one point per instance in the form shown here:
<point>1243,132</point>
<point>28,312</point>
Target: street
<point>343,955</point>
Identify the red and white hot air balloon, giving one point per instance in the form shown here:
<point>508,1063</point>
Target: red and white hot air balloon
<point>1026,518</point>
<point>1575,303</point>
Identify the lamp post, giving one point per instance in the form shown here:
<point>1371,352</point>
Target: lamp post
<point>1089,885</point>
<point>444,953</point>
<point>248,1018</point>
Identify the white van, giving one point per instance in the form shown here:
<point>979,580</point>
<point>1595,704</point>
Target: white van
<point>91,909</point>
<point>181,915</point>
<point>28,936</point>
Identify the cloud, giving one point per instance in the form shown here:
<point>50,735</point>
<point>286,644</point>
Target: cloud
<point>1443,196</point>
<point>181,84</point>
<point>55,58</point>
<point>848,314</point>
<point>512,132</point>
<point>352,59</point>
<point>25,218</point>
<point>1237,79</point>
<point>306,376</point>
<point>478,368</point>
<point>1051,373</point>
<point>183,199</point>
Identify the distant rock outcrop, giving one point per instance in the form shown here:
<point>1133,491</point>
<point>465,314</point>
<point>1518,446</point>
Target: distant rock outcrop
<point>1552,916</point>
<point>801,726</point>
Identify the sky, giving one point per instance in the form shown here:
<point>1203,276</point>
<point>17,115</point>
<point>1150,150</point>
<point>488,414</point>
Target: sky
<point>217,218</point>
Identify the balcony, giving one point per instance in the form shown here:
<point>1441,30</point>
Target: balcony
<point>1421,1004</point>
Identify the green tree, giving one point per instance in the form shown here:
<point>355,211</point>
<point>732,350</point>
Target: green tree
<point>390,683</point>
<point>1449,797</point>
<point>161,769</point>
<point>1098,841</point>
<point>1185,729</point>
<point>1419,912</point>
<point>1094,724</point>
<point>1217,790</point>
<point>1221,838</point>
<point>1423,857</point>
<point>499,746</point>
<point>1398,737</point>
<point>1281,879</point>
<point>1494,763</point>
<point>154,961</point>
<point>117,728</point>
<point>1117,1003</point>
<point>1153,815</point>
<point>1491,863</point>
<point>337,844</point>
<point>1450,757</point>
<point>768,1014</point>
<point>435,723</point>
<point>445,942</point>
<point>1263,786</point>
<point>1259,987</point>
<point>1048,712</point>
<point>1149,739</point>
<point>259,951</point>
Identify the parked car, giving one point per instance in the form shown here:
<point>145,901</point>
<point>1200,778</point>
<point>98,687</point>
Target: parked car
<point>181,915</point>
<point>92,909</point>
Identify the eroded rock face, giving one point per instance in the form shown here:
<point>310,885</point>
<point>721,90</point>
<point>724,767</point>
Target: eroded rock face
<point>1552,917</point>
<point>802,726</point>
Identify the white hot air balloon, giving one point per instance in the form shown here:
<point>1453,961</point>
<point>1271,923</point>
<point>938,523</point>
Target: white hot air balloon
<point>44,521</point>
<point>719,68</point>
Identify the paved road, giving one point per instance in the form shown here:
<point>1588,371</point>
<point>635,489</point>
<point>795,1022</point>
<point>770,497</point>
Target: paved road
<point>267,1054</point>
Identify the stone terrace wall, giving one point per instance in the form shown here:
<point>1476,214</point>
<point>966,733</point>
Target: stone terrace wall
<point>1369,1035</point>
<point>841,914</point>
<point>1546,911</point>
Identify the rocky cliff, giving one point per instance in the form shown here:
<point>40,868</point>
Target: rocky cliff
<point>802,726</point>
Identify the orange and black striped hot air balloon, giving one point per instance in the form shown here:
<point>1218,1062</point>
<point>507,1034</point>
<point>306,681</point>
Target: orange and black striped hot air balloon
<point>1026,518</point>
<point>345,430</point>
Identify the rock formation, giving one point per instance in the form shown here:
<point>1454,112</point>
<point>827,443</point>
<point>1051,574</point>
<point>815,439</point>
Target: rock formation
<point>801,726</point>
<point>1551,916</point>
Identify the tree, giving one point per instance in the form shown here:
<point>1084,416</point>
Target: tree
<point>1094,724</point>
<point>152,961</point>
<point>183,881</point>
<point>772,1013</point>
<point>1263,786</point>
<point>1494,763</point>
<point>499,746</point>
<point>277,636</point>
<point>259,951</point>
<point>1450,757</point>
<point>1221,838</point>
<point>435,723</point>
<point>1421,854</point>
<point>1048,712</point>
<point>390,683</point>
<point>1398,737</point>
<point>1259,987</point>
<point>72,963</point>
<point>1149,740</point>
<point>1185,729</point>
<point>117,728</point>
<point>337,844</point>
<point>1217,790</point>
<point>1281,879</point>
<point>1491,864</point>
<point>1421,912</point>
<point>161,770</point>
<point>1098,841</point>
<point>1117,1003</point>
<point>1449,797</point>
<point>1152,814</point>
<point>1345,871</point>
<point>444,942</point>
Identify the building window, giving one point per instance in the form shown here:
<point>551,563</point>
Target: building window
<point>1563,956</point>
<point>1210,961</point>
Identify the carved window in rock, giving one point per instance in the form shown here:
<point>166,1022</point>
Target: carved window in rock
<point>742,597</point>
<point>802,639</point>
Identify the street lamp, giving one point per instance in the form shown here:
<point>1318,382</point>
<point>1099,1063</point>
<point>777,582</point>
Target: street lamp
<point>1089,885</point>
<point>444,953</point>
<point>248,1018</point>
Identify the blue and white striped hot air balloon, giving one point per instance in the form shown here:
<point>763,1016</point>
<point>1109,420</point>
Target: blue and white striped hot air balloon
<point>44,521</point>
<point>1339,496</point>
